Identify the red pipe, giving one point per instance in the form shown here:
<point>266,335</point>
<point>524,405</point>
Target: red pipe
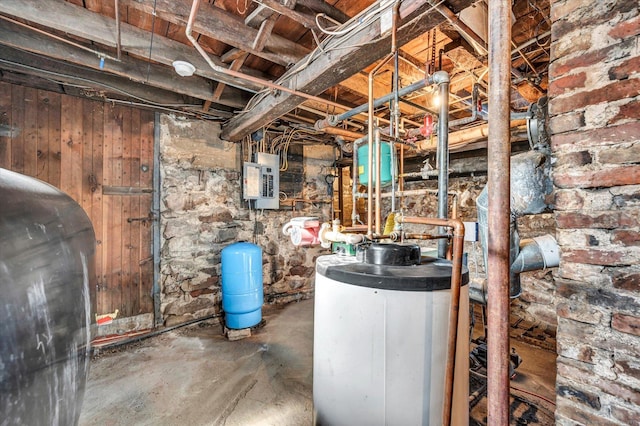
<point>499,211</point>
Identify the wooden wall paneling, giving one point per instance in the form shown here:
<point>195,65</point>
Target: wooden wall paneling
<point>146,181</point>
<point>5,120</point>
<point>97,210</point>
<point>30,129</point>
<point>125,243</point>
<point>135,212</point>
<point>105,303</point>
<point>71,148</point>
<point>87,156</point>
<point>54,159</point>
<point>82,146</point>
<point>17,123</point>
<point>42,145</point>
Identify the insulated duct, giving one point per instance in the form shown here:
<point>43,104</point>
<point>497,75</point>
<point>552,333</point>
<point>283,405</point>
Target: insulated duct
<point>530,184</point>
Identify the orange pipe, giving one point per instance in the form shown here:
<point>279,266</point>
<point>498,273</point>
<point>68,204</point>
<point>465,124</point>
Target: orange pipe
<point>456,282</point>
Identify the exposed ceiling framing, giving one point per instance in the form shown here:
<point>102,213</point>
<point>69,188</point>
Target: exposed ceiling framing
<point>73,46</point>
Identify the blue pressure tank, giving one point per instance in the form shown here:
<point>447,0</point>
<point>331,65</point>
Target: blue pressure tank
<point>242,293</point>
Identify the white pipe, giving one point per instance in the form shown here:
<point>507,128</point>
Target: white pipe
<point>329,234</point>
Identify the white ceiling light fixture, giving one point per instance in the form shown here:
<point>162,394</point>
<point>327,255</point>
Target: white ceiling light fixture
<point>184,68</point>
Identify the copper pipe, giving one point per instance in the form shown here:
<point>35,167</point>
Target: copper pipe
<point>347,134</point>
<point>355,229</point>
<point>463,137</point>
<point>370,133</point>
<point>354,186</point>
<point>421,236</point>
<point>371,124</point>
<point>401,177</point>
<point>243,76</point>
<point>499,150</point>
<point>456,282</point>
<point>378,184</point>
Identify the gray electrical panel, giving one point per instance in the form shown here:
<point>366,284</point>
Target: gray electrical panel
<point>261,181</point>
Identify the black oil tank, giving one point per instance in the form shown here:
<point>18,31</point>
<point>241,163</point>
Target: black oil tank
<point>47,248</point>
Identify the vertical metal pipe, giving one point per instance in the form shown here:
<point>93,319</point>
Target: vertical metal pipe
<point>370,157</point>
<point>394,174</point>
<point>499,211</point>
<point>378,187</point>
<point>396,97</point>
<point>456,280</point>
<point>370,134</point>
<point>354,185</point>
<point>394,129</point>
<point>394,110</point>
<point>340,195</point>
<point>158,319</point>
<point>401,174</point>
<point>394,47</point>
<point>443,158</point>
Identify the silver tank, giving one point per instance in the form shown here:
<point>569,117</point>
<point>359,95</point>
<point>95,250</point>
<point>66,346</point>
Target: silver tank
<point>47,248</point>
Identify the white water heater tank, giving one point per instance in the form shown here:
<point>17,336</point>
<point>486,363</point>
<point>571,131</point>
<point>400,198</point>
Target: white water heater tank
<point>380,340</point>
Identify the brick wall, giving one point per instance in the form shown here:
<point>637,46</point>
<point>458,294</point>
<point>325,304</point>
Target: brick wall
<point>595,120</point>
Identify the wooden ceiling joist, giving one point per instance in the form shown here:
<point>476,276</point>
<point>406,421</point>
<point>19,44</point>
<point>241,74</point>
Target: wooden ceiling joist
<point>95,82</point>
<point>135,71</point>
<point>80,22</point>
<point>224,26</point>
<point>327,69</point>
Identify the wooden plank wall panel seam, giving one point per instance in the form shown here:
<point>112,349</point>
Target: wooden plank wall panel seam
<point>147,120</point>
<point>7,125</point>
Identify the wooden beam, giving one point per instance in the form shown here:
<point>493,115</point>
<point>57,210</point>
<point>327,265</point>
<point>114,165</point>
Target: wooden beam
<point>80,22</point>
<point>132,69</point>
<point>102,83</point>
<point>224,26</point>
<point>306,20</point>
<point>264,32</point>
<point>261,39</point>
<point>328,68</point>
<point>232,55</point>
<point>321,6</point>
<point>258,16</point>
<point>235,66</point>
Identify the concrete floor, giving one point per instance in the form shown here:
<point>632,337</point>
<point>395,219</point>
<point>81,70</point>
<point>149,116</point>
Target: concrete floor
<point>194,376</point>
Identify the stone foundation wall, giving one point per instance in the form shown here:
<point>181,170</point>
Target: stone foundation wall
<point>202,212</point>
<point>537,302</point>
<point>595,106</point>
